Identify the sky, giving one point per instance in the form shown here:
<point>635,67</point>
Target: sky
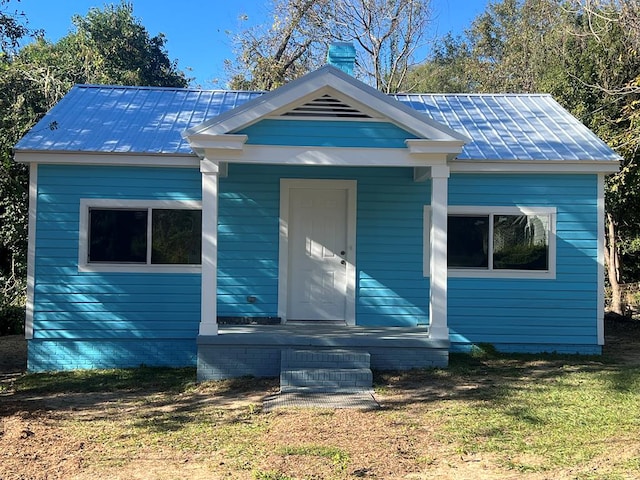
<point>198,31</point>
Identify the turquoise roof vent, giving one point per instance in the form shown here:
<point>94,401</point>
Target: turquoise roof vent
<point>343,56</point>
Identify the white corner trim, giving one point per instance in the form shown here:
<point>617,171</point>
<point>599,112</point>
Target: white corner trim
<point>601,268</point>
<point>83,236</point>
<point>286,185</point>
<point>31,250</point>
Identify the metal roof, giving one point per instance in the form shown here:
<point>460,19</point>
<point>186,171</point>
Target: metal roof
<point>150,120</point>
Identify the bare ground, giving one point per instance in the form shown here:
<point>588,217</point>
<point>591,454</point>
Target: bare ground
<point>36,444</point>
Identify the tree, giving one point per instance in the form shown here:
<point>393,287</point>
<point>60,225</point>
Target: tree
<point>13,192</point>
<point>585,55</point>
<point>269,56</point>
<point>108,46</point>
<point>386,34</point>
<point>112,46</point>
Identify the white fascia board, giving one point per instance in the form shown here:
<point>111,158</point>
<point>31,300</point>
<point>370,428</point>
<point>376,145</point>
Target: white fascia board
<point>107,158</point>
<point>327,79</point>
<point>537,166</point>
<point>421,146</point>
<point>217,142</point>
<point>334,156</point>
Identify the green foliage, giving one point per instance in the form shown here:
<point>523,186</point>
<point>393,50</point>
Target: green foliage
<point>132,379</point>
<point>483,351</point>
<point>585,57</point>
<point>114,47</point>
<point>12,28</point>
<point>109,46</point>
<point>11,320</point>
<point>385,33</point>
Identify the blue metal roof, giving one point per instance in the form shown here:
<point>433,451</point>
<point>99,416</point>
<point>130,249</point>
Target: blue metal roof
<point>150,120</point>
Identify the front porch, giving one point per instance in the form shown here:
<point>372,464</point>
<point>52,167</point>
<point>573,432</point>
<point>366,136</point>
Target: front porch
<point>241,350</point>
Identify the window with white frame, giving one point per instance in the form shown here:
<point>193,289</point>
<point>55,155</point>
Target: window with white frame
<point>498,241</point>
<point>136,235</point>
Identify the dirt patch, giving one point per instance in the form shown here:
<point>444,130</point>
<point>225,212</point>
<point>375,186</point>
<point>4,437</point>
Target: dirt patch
<point>66,435</point>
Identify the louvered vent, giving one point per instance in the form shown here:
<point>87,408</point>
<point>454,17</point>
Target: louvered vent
<point>326,106</point>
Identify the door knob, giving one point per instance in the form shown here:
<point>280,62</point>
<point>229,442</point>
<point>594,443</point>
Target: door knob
<point>343,252</point>
<point>343,262</point>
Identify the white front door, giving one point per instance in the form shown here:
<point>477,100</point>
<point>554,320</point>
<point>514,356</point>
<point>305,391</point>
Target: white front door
<point>320,252</point>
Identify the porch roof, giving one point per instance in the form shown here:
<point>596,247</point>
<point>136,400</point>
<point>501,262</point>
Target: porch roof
<point>151,120</point>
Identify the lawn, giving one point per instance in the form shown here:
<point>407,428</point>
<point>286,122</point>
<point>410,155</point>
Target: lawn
<point>487,416</point>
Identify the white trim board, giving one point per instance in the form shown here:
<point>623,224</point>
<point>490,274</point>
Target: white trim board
<point>529,166</point>
<point>283,249</point>
<point>601,268</point>
<point>107,158</point>
<point>31,250</point>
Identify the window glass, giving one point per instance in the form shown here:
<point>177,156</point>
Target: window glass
<point>520,242</point>
<point>117,235</point>
<point>176,236</point>
<point>468,241</point>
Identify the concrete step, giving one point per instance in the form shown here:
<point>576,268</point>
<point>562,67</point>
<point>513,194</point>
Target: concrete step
<point>301,358</point>
<point>326,379</point>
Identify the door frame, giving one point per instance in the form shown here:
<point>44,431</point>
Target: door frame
<point>350,186</point>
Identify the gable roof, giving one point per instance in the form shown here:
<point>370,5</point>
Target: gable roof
<point>331,81</point>
<point>151,120</point>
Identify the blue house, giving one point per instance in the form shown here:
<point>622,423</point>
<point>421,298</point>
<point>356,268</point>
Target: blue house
<point>177,226</point>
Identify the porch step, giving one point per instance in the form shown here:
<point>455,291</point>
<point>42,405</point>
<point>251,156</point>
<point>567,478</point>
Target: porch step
<point>324,370</point>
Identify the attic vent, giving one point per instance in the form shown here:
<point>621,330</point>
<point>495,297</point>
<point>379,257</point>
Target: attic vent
<point>326,106</point>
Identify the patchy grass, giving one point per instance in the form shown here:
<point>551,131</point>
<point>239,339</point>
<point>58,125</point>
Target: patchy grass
<point>487,416</point>
<point>133,379</point>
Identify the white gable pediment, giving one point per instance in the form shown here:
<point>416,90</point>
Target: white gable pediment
<point>325,94</point>
<point>327,84</point>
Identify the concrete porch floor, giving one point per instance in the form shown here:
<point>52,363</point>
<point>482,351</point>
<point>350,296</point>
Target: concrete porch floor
<point>241,350</point>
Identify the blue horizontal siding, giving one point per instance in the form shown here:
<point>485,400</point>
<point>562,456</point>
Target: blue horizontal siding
<point>71,305</point>
<point>391,289</point>
<point>560,311</point>
<point>326,133</point>
<point>389,241</point>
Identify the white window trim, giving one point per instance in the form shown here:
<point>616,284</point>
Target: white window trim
<point>495,210</point>
<point>83,246</point>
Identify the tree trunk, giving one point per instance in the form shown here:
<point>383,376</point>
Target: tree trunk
<point>612,260</point>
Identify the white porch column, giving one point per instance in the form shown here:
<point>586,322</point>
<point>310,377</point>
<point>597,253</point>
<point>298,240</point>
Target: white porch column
<point>209,297</point>
<point>438,327</point>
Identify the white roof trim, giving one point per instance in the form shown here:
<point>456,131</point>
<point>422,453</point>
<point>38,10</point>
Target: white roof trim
<point>332,81</point>
<point>107,158</point>
<point>535,166</point>
<point>334,156</point>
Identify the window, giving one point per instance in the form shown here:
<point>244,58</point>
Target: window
<point>133,235</point>
<point>514,242</point>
